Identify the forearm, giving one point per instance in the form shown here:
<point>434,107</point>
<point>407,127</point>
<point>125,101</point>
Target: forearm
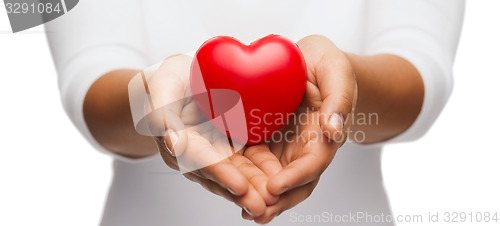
<point>107,113</point>
<point>390,93</point>
<point>388,86</point>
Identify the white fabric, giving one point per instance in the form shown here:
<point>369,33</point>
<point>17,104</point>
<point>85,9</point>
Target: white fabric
<point>99,36</point>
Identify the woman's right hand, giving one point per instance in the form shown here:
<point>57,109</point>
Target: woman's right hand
<point>189,142</point>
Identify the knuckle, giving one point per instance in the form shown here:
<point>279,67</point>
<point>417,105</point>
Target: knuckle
<point>256,178</point>
<point>249,152</point>
<point>246,165</point>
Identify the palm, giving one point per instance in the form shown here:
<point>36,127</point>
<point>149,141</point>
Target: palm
<point>299,147</point>
<point>188,142</point>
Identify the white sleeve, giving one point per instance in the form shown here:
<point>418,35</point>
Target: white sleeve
<point>426,33</point>
<point>92,39</point>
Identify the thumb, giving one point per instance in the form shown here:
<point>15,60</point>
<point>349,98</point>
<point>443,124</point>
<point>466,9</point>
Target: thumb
<point>335,79</point>
<point>167,91</point>
<point>338,88</point>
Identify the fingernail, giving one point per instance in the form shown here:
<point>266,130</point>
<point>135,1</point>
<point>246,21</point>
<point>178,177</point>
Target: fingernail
<point>337,122</point>
<point>231,191</point>
<point>173,138</point>
<point>246,210</point>
<point>168,149</point>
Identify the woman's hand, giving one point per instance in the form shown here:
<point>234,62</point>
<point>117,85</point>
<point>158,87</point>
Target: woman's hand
<point>194,146</point>
<point>292,168</point>
<point>307,144</point>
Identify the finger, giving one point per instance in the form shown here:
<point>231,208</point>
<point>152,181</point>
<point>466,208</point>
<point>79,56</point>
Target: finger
<point>251,202</point>
<point>337,89</point>
<point>223,172</point>
<point>287,201</point>
<point>255,176</point>
<point>220,142</point>
<point>175,137</point>
<point>169,128</point>
<point>210,186</point>
<point>278,147</point>
<point>167,87</point>
<point>335,79</point>
<point>262,157</point>
<point>309,165</point>
<point>200,155</point>
<point>226,175</point>
<point>245,215</point>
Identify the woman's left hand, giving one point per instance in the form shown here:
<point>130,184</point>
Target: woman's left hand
<point>308,144</point>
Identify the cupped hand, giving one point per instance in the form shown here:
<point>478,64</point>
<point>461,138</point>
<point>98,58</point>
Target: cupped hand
<point>307,144</point>
<point>191,144</point>
<point>288,166</point>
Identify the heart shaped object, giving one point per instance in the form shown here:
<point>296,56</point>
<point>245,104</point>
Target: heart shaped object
<point>267,77</point>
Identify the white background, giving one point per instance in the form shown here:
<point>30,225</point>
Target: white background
<point>49,175</point>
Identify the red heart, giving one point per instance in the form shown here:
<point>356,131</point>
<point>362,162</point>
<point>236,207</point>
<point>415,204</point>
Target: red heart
<point>269,76</point>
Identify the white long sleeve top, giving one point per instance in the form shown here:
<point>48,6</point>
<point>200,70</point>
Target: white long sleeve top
<point>100,36</point>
